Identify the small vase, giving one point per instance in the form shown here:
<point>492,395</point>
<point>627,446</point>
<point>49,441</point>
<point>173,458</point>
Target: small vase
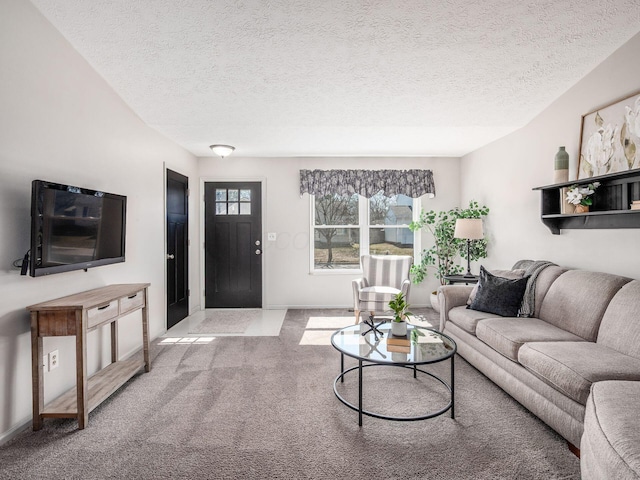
<point>581,208</point>
<point>561,166</point>
<point>399,329</point>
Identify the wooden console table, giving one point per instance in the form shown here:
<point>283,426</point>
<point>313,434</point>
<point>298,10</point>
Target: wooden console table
<point>76,315</point>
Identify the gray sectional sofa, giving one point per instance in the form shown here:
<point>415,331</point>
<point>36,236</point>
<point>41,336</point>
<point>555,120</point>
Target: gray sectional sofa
<point>585,329</point>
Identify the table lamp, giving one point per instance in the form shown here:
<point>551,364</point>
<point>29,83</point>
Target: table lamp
<point>468,229</point>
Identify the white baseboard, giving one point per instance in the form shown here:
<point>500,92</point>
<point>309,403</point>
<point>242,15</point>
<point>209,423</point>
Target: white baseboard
<point>15,430</point>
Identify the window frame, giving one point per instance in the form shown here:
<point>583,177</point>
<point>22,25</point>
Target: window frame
<point>364,225</point>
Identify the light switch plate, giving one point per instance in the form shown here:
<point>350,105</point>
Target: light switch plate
<point>271,236</point>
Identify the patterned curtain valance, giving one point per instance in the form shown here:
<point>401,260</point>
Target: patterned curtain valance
<point>412,183</point>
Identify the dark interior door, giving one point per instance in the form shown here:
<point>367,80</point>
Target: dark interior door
<point>233,245</point>
<point>177,247</point>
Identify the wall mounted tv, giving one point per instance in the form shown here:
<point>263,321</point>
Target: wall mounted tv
<point>74,228</point>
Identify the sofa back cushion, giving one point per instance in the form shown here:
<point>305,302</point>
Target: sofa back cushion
<point>620,326</point>
<point>577,300</point>
<point>545,278</point>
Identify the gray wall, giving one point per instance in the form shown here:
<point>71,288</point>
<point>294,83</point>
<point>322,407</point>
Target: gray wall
<point>503,173</point>
<point>287,279</point>
<point>61,122</point>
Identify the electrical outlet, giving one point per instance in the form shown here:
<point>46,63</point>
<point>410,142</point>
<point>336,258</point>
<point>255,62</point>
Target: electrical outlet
<point>45,363</point>
<point>53,360</point>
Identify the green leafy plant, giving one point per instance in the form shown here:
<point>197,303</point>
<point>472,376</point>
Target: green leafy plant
<point>441,256</point>
<point>400,307</point>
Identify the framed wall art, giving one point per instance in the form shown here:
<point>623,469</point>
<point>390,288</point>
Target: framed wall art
<point>610,138</point>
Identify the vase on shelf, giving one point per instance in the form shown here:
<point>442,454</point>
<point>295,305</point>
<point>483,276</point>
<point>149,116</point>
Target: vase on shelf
<point>561,166</point>
<point>581,208</point>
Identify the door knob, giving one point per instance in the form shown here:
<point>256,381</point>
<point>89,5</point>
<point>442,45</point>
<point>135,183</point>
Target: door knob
<point>258,252</point>
<point>170,256</point>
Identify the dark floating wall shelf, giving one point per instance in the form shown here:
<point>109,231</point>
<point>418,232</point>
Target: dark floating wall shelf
<point>611,203</point>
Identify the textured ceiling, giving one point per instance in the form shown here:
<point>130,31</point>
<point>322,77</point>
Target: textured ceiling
<point>341,77</point>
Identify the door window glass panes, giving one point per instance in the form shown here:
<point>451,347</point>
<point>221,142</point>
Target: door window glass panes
<point>232,208</point>
<point>221,208</point>
<point>245,208</point>
<point>221,194</point>
<point>233,195</point>
<point>245,195</point>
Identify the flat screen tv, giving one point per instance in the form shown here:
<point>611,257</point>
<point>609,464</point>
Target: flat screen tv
<point>74,228</point>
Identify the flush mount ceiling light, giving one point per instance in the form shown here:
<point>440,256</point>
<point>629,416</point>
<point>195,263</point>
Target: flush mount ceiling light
<point>222,150</point>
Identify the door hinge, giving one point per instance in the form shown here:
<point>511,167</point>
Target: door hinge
<point>188,242</point>
<point>188,192</point>
<point>188,292</point>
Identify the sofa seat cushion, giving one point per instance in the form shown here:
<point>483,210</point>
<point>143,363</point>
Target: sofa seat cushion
<point>467,319</point>
<point>609,446</point>
<point>571,367</point>
<point>507,335</point>
<point>377,294</point>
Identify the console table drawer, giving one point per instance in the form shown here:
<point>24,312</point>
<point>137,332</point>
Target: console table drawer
<point>97,315</point>
<point>132,302</point>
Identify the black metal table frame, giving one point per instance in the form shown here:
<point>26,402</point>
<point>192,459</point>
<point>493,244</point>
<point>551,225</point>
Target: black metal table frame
<point>450,406</point>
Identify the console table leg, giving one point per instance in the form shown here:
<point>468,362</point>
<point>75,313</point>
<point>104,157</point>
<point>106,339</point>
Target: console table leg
<point>81,370</point>
<point>37,372</point>
<point>145,331</point>
<point>342,367</point>
<point>114,341</point>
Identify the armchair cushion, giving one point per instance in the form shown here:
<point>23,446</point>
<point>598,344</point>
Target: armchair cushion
<point>377,294</point>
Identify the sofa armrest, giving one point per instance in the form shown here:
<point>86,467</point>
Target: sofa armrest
<point>450,296</point>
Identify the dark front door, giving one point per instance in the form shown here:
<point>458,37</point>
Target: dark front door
<point>233,244</point>
<point>177,247</point>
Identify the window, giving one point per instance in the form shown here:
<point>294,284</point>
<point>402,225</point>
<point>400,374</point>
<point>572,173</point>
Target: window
<point>233,201</point>
<point>348,226</point>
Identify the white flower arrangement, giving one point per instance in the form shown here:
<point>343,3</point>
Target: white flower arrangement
<point>581,195</point>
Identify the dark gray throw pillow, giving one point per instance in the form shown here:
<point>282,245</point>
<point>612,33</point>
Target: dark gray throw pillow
<point>499,295</point>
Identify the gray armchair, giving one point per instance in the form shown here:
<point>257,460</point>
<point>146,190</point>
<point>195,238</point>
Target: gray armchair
<point>384,276</point>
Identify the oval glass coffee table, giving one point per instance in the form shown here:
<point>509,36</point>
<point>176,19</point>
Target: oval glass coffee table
<point>421,346</point>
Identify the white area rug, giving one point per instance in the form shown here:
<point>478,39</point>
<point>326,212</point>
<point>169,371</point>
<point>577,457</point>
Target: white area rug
<point>231,321</point>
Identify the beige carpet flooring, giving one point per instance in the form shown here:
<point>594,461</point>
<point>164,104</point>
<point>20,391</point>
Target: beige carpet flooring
<point>264,408</point>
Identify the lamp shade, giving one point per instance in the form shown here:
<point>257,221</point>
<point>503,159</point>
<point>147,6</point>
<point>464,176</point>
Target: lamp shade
<point>222,150</point>
<point>469,228</point>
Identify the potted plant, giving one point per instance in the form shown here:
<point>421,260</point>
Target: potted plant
<point>441,256</point>
<point>400,309</point>
<point>580,196</point>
